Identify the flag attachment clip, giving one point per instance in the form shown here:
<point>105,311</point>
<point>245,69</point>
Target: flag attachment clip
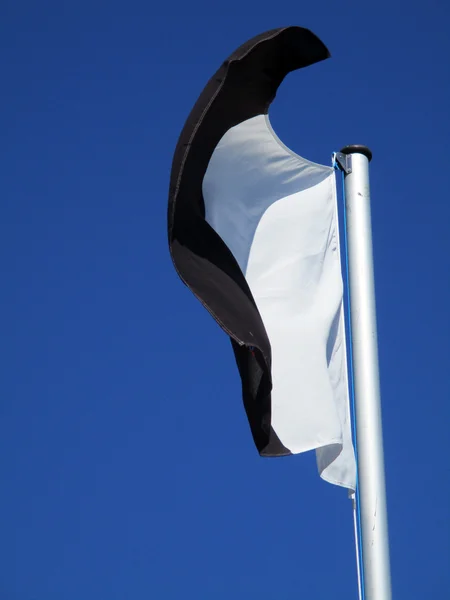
<point>343,161</point>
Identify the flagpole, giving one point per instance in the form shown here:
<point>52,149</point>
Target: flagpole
<point>369,437</point>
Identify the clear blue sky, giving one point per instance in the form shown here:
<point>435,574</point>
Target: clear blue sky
<point>127,471</point>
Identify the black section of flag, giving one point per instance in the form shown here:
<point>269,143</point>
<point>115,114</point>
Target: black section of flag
<point>243,87</point>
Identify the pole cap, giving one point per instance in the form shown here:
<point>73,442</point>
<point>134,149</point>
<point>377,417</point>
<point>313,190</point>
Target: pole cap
<point>358,149</point>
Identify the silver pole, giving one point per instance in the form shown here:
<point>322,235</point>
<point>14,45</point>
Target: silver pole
<point>369,436</point>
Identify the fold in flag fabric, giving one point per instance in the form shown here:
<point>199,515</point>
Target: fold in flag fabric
<point>253,232</point>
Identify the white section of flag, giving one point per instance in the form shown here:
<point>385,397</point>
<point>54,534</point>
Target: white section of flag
<point>277,213</point>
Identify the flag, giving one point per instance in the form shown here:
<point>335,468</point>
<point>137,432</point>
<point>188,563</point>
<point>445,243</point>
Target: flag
<point>253,232</point>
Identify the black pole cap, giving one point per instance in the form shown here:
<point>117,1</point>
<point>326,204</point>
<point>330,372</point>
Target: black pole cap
<point>358,149</point>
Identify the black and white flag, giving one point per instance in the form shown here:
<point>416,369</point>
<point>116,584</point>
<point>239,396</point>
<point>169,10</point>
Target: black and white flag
<point>253,232</point>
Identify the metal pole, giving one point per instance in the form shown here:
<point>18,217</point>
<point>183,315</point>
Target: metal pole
<point>369,437</point>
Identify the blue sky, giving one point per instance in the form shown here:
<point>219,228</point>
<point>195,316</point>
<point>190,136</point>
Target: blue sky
<point>127,467</point>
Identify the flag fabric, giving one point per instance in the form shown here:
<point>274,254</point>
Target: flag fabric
<point>253,232</point>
